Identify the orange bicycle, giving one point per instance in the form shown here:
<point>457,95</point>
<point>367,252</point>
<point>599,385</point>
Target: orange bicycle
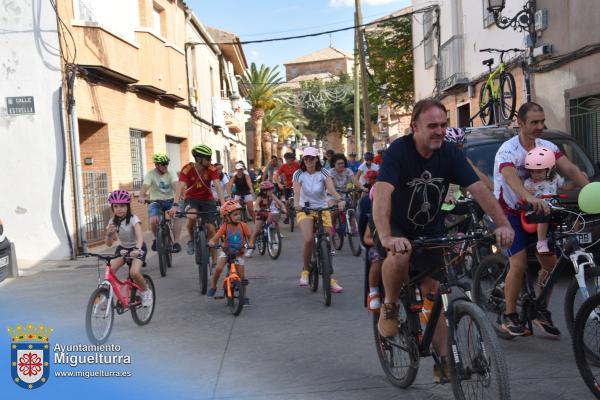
<point>234,286</point>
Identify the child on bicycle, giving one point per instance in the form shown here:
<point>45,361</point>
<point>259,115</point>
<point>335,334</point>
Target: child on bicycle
<point>234,234</point>
<point>268,207</point>
<point>374,258</point>
<point>542,181</point>
<point>127,229</point>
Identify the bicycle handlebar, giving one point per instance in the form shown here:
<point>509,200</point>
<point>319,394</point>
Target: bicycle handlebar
<point>425,242</point>
<point>218,246</point>
<point>309,209</point>
<point>106,257</point>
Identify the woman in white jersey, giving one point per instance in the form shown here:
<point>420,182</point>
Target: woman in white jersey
<point>311,185</point>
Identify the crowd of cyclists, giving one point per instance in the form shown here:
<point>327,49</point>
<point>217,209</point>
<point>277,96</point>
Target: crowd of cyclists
<point>403,191</point>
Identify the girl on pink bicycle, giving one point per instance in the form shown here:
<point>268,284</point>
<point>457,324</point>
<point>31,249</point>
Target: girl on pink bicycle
<point>127,229</point>
<point>268,207</point>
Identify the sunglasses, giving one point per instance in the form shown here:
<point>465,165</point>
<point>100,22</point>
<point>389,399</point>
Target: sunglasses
<point>310,158</point>
<point>163,164</point>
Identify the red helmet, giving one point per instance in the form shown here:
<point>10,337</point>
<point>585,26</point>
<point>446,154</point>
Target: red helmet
<point>371,175</point>
<point>540,158</point>
<point>229,207</point>
<point>119,196</point>
<point>267,185</point>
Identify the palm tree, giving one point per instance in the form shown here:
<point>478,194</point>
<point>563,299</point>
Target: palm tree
<point>262,84</point>
<point>281,117</point>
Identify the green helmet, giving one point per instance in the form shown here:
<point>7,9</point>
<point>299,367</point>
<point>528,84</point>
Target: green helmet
<point>159,158</point>
<point>201,150</point>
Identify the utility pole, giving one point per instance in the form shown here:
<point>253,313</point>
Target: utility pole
<point>363,75</point>
<point>356,92</point>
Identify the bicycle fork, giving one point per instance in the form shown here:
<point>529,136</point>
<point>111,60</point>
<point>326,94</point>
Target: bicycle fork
<point>580,275</point>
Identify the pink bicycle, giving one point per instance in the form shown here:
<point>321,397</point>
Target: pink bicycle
<point>102,305</point>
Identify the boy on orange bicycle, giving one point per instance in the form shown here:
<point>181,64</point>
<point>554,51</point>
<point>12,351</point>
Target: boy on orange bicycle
<point>234,234</point>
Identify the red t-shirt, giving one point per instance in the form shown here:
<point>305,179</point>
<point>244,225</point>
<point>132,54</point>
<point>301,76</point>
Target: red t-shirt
<point>198,188</point>
<point>377,159</point>
<point>288,171</point>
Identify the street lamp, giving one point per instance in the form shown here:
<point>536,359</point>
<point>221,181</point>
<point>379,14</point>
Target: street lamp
<point>522,21</point>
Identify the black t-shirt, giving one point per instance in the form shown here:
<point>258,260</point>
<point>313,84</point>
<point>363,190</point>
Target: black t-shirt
<point>421,185</point>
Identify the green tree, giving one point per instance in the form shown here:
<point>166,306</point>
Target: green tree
<point>390,51</point>
<point>262,85</point>
<point>281,117</point>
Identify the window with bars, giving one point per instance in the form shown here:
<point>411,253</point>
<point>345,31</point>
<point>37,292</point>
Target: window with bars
<point>585,124</point>
<point>137,157</point>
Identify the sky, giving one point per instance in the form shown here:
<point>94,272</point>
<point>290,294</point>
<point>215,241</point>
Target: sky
<point>262,19</point>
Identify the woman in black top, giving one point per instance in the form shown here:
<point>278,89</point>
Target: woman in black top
<point>243,188</point>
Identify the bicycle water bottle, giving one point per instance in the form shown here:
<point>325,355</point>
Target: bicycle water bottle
<point>418,304</point>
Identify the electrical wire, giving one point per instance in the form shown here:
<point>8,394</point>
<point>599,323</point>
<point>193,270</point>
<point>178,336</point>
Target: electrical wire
<point>62,27</point>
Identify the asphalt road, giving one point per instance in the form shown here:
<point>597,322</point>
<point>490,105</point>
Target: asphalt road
<point>286,345</point>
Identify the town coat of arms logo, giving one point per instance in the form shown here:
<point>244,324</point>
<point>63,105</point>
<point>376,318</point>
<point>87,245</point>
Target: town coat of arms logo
<point>30,355</point>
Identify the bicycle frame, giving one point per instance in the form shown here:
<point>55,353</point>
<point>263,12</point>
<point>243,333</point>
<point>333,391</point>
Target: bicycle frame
<point>116,287</point>
<point>492,77</point>
<point>232,275</point>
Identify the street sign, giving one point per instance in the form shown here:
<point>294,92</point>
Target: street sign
<point>20,105</point>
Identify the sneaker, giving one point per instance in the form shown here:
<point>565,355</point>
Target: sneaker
<point>440,372</point>
<point>190,247</point>
<point>249,252</point>
<point>211,293</point>
<point>176,248</point>
<point>388,320</point>
<point>542,247</point>
<point>154,245</point>
<point>335,287</point>
<point>512,325</point>
<point>374,302</point>
<point>544,321</point>
<point>146,296</point>
<point>304,278</point>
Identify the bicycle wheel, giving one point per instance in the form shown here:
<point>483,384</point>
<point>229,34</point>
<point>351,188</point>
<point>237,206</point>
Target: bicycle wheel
<point>292,214</point>
<point>486,105</point>
<point>586,336</point>
<point>398,356</point>
<point>313,275</point>
<point>274,245</point>
<point>574,298</point>
<point>169,241</point>
<point>161,249</point>
<point>488,291</point>
<point>202,259</point>
<point>99,316</point>
<point>508,96</point>
<point>477,368</point>
<point>261,244</point>
<point>352,232</point>
<point>236,301</point>
<point>326,270</point>
<point>143,315</point>
<point>337,237</point>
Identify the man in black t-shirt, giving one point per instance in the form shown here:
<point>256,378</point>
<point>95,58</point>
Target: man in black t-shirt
<point>414,176</point>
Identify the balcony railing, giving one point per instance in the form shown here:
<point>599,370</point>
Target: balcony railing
<point>452,64</point>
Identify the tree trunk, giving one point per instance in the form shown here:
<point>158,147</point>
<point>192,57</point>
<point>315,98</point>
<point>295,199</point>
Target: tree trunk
<point>257,116</point>
<point>266,140</point>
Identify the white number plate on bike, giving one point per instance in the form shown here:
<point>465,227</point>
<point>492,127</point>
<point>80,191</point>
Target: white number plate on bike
<point>3,261</point>
<point>584,238</point>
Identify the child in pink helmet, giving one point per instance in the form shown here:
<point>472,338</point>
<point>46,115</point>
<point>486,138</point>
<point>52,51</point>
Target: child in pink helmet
<point>542,181</point>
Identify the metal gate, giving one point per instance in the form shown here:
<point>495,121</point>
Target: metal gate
<point>97,210</point>
<point>585,124</point>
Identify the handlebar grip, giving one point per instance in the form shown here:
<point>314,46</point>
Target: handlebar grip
<point>523,207</point>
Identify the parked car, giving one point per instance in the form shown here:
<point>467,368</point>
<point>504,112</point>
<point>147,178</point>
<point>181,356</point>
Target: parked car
<point>482,144</point>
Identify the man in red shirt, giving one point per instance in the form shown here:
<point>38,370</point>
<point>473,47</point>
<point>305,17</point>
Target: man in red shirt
<point>194,184</point>
<point>379,157</point>
<point>287,170</point>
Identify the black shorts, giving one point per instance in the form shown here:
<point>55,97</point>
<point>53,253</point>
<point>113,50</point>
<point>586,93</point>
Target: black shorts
<point>420,260</point>
<point>206,206</point>
<point>140,257</point>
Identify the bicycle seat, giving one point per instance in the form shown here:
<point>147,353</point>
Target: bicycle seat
<point>488,62</point>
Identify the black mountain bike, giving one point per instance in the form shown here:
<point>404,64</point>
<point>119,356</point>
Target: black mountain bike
<point>291,212</point>
<point>201,251</point>
<point>345,224</point>
<point>321,261</point>
<point>269,240</point>
<point>476,365</point>
<point>164,238</point>
<point>586,343</point>
<point>489,277</point>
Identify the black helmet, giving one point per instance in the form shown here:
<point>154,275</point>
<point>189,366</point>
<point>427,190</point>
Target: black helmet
<point>368,156</point>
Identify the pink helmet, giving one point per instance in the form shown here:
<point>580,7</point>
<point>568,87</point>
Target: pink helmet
<point>540,158</point>
<point>310,151</point>
<point>119,196</point>
<point>229,207</point>
<point>267,185</point>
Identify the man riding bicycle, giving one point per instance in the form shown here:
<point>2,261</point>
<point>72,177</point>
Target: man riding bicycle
<point>160,184</point>
<point>194,182</point>
<point>287,169</point>
<point>509,174</point>
<point>414,176</point>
